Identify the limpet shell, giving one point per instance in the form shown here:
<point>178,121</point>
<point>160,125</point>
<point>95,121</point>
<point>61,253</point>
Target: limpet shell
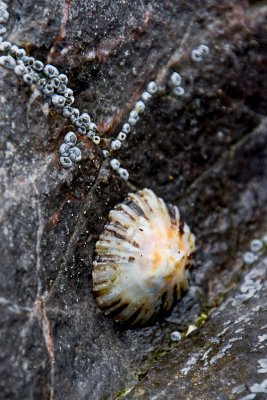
<point>142,258</point>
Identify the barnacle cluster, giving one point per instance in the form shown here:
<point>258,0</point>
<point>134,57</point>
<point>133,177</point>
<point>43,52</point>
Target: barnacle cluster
<point>4,16</point>
<point>142,258</point>
<point>198,54</point>
<point>176,81</point>
<point>257,246</point>
<point>139,107</point>
<point>53,85</point>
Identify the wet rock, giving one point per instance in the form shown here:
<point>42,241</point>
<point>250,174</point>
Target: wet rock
<point>226,359</point>
<point>205,151</point>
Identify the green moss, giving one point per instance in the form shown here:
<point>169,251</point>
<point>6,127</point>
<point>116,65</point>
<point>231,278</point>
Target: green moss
<point>122,393</point>
<point>160,354</point>
<point>202,318</point>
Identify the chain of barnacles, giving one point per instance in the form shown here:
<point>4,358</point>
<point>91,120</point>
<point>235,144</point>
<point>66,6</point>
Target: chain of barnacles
<point>53,84</point>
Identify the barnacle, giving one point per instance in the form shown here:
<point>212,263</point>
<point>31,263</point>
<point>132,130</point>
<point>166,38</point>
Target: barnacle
<point>38,65</point>
<point>146,96</point>
<point>176,79</point>
<point>115,164</point>
<point>63,78</point>
<point>4,15</point>
<point>132,121</point>
<point>152,87</point>
<point>58,101</point>
<point>178,91</point>
<point>96,139</point>
<point>198,54</point>
<point>139,106</point>
<point>70,138</point>
<point>116,144</point>
<point>66,162</point>
<point>64,149</point>
<point>8,62</point>
<point>5,46</point>
<point>51,71</point>
<point>75,154</point>
<point>141,259</point>
<point>81,129</point>
<point>126,128</point>
<point>121,136</point>
<point>123,173</point>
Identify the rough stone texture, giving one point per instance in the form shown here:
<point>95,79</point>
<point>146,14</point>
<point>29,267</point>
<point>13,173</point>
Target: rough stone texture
<point>206,152</point>
<point>227,358</point>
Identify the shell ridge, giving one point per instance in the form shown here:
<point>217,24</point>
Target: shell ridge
<point>142,259</point>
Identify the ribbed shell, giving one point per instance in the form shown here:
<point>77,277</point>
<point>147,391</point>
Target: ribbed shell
<point>141,259</point>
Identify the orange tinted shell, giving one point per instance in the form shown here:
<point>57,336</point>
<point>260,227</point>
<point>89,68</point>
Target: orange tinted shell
<point>141,259</point>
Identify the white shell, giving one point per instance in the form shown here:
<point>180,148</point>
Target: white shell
<point>141,259</point>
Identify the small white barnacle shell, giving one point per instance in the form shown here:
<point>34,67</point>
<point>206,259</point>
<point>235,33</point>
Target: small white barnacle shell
<point>126,128</point>
<point>115,164</point>
<point>139,106</point>
<point>28,79</point>
<point>141,260</point>
<point>58,101</point>
<point>20,69</point>
<point>70,138</point>
<point>47,90</point>
<point>8,62</point>
<point>178,91</point>
<point>82,130</point>
<point>123,173</point>
<point>176,79</point>
<point>152,87</point>
<point>91,135</point>
<point>75,154</point>
<point>132,121</point>
<point>146,96</point>
<point>67,91</point>
<point>121,136</point>
<point>134,114</point>
<point>92,126</point>
<point>20,53</point>
<point>5,46</point>
<point>204,49</point>
<point>65,162</point>
<point>13,50</point>
<point>50,71</point>
<point>63,78</point>
<point>61,88</point>
<point>67,112</point>
<point>3,5</point>
<point>2,29</point>
<point>28,61</point>
<point>64,149</point>
<point>55,82</point>
<point>85,118</point>
<point>4,15</point>
<point>105,153</point>
<point>69,100</point>
<point>96,139</point>
<point>116,144</point>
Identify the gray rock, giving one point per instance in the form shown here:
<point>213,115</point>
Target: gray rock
<point>205,151</point>
<point>226,359</point>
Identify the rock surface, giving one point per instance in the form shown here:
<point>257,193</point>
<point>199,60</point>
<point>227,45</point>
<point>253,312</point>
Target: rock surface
<point>226,359</point>
<point>205,151</point>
